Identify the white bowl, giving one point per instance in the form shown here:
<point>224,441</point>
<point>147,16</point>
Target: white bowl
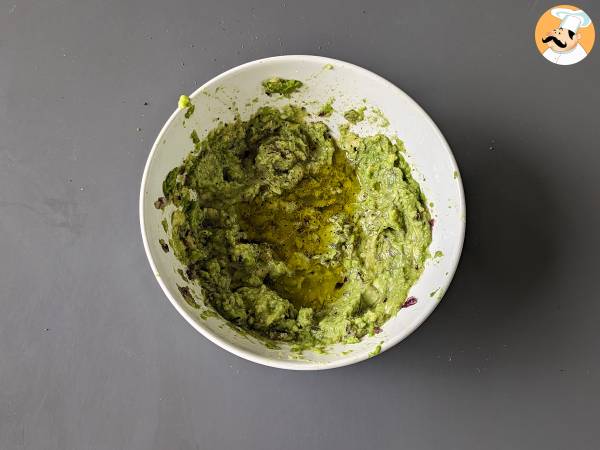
<point>428,153</point>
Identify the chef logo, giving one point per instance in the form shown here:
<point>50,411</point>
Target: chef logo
<point>564,35</point>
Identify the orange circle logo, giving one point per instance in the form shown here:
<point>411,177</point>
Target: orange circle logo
<point>565,35</point>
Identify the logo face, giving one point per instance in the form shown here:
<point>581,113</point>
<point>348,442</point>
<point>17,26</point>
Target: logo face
<point>564,35</point>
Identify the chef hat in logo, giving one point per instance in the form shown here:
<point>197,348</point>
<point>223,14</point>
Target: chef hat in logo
<point>570,19</point>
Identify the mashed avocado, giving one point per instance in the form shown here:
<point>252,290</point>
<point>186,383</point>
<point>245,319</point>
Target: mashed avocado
<point>327,109</point>
<point>185,103</point>
<point>293,235</point>
<point>355,115</point>
<point>281,86</point>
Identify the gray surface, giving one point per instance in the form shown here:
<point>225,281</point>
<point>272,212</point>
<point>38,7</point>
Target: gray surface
<point>92,355</point>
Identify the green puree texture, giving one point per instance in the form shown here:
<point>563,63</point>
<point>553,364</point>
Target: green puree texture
<point>293,235</point>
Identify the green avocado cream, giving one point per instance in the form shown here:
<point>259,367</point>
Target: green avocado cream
<point>293,235</point>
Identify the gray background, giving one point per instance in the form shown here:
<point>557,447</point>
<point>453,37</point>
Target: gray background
<point>93,356</point>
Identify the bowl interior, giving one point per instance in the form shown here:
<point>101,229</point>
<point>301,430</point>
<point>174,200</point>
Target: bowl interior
<point>239,91</point>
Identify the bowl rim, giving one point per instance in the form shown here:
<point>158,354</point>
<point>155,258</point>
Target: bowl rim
<point>296,364</point>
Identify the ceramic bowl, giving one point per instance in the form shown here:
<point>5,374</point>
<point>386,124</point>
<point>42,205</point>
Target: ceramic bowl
<point>239,91</point>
